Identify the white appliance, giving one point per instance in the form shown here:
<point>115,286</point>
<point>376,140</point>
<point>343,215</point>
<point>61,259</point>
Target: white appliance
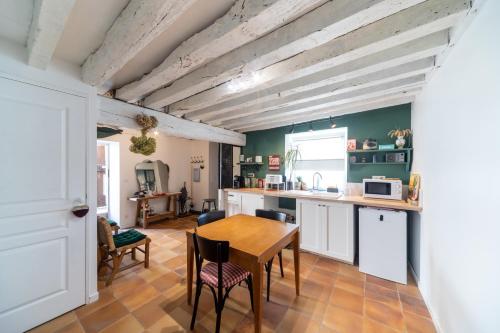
<point>274,182</point>
<point>382,243</point>
<point>383,188</point>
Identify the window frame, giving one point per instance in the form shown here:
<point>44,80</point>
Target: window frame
<point>341,132</point>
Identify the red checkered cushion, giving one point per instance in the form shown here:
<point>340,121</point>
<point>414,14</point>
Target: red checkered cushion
<point>231,274</point>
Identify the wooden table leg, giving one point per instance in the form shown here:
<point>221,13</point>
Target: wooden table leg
<point>190,262</point>
<point>296,262</point>
<point>257,272</point>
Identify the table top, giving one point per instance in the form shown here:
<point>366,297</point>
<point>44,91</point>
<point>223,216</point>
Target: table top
<point>154,196</point>
<point>252,235</point>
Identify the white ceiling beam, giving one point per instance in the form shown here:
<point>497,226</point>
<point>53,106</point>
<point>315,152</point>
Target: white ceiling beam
<point>121,114</point>
<point>365,93</point>
<point>361,106</point>
<point>421,48</point>
<point>47,26</point>
<point>406,25</point>
<point>319,26</point>
<point>243,23</point>
<point>392,74</point>
<point>136,26</point>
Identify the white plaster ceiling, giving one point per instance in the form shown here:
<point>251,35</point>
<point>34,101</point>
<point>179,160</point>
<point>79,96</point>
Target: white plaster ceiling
<point>15,19</point>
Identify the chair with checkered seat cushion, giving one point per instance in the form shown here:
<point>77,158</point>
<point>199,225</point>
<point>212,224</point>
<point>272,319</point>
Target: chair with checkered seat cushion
<point>231,274</point>
<point>218,274</point>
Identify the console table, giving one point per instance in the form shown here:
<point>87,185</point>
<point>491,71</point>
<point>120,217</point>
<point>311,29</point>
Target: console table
<point>144,215</point>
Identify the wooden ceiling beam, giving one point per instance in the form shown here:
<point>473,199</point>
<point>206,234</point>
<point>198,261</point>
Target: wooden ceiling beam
<point>409,24</point>
<point>319,26</point>
<point>47,26</point>
<point>136,26</point>
<point>418,49</point>
<point>117,113</point>
<point>415,68</point>
<point>243,23</point>
<point>360,106</point>
<point>348,97</point>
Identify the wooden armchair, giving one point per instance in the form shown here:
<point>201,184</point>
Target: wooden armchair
<point>115,247</point>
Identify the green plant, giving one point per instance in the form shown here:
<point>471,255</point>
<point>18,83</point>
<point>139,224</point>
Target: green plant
<point>395,133</point>
<point>142,144</point>
<point>299,179</point>
<point>291,157</point>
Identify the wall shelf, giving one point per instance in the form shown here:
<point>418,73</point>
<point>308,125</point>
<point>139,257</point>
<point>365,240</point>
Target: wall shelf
<point>380,156</point>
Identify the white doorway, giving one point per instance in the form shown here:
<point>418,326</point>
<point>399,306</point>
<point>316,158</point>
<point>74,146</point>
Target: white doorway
<point>43,176</point>
<point>108,180</point>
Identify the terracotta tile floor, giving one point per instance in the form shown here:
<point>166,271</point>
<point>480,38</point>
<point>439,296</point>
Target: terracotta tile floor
<point>335,297</point>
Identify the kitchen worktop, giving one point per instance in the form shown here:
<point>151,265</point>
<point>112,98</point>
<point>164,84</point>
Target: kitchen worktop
<point>325,196</point>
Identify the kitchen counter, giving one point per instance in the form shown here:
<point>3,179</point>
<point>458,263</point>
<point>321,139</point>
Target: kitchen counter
<point>325,196</point>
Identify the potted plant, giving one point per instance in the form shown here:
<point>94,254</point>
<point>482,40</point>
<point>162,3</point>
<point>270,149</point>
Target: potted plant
<point>400,134</point>
<point>291,157</point>
<point>299,183</point>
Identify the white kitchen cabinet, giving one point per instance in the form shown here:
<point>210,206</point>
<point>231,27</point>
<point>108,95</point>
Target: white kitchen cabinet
<point>233,204</point>
<point>339,231</point>
<point>327,228</point>
<point>308,218</point>
<point>251,202</point>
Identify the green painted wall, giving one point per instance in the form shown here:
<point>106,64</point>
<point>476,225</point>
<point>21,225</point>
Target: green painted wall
<point>371,124</point>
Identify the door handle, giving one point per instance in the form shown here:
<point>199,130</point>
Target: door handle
<point>80,210</point>
<point>381,218</point>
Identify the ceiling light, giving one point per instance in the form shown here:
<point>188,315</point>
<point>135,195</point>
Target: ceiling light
<point>332,123</point>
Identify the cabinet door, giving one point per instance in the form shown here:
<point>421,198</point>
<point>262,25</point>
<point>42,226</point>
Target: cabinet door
<point>340,231</point>
<point>251,202</point>
<point>309,220</point>
<point>233,204</point>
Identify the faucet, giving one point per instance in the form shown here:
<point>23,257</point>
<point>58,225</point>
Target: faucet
<point>316,185</point>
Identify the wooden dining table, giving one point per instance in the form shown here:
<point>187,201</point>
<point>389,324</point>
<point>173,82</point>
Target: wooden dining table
<point>253,241</point>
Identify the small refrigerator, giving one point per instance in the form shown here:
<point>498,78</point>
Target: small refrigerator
<point>382,243</point>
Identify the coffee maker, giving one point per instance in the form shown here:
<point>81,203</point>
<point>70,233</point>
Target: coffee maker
<point>238,182</point>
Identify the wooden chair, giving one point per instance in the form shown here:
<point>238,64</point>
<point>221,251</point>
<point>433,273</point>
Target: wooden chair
<point>117,246</point>
<point>218,274</point>
<point>277,216</point>
<point>210,217</point>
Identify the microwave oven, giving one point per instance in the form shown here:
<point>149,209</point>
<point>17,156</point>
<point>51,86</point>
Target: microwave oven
<point>383,189</point>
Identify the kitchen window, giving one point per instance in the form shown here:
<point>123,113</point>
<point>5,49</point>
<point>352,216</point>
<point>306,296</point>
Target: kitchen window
<point>320,151</point>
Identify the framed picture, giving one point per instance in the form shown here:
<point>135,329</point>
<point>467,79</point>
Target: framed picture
<point>351,145</point>
<point>196,175</point>
<point>274,162</point>
<point>414,188</point>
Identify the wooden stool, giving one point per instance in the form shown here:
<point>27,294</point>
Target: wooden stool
<point>209,202</point>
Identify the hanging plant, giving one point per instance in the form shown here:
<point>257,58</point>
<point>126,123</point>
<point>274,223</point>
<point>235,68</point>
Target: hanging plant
<point>143,144</point>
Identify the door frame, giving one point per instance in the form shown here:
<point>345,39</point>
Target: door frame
<point>65,78</point>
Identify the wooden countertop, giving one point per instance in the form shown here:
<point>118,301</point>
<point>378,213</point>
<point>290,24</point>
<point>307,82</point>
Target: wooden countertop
<point>356,200</point>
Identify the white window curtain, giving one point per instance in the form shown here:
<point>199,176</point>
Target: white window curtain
<point>320,151</point>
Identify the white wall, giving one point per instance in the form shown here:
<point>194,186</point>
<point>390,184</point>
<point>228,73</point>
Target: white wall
<point>456,123</point>
<point>175,152</point>
<point>208,184</point>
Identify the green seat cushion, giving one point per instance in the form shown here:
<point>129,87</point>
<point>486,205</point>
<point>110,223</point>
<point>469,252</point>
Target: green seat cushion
<point>112,223</point>
<point>128,237</point>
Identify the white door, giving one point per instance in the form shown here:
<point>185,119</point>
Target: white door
<point>340,231</point>
<point>309,220</point>
<point>42,173</point>
<point>251,202</point>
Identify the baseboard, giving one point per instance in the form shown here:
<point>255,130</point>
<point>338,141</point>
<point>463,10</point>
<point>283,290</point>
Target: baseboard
<point>431,312</point>
<point>93,298</point>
